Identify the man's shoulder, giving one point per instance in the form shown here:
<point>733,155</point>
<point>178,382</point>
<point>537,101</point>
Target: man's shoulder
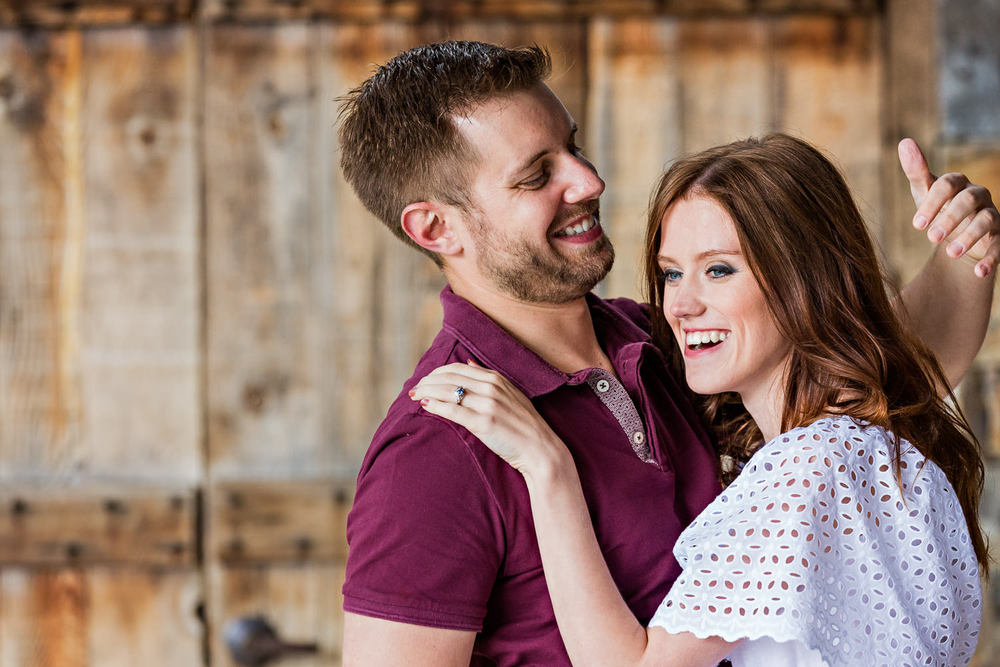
<point>625,308</point>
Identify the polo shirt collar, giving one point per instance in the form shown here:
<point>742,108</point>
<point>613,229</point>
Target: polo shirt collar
<point>498,350</point>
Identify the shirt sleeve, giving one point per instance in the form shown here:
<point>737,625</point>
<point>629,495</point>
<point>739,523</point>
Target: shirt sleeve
<point>425,535</point>
<point>746,574</point>
<point>817,542</point>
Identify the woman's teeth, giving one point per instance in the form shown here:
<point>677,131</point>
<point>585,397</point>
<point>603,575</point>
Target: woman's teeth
<point>698,338</point>
<point>579,228</point>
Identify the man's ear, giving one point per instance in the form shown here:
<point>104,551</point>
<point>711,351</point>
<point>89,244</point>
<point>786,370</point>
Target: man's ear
<point>431,226</point>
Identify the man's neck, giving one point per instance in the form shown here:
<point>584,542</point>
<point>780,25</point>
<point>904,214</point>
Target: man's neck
<point>561,334</point>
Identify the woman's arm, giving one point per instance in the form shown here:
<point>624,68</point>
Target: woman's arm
<point>597,626</point>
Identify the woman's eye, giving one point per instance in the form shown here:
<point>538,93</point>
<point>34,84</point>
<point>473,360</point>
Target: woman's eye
<point>575,150</point>
<point>671,276</point>
<point>720,270</point>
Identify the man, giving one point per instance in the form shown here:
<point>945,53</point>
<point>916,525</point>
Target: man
<point>464,153</point>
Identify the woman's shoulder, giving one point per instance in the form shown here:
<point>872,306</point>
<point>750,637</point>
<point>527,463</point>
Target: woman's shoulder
<point>833,441</point>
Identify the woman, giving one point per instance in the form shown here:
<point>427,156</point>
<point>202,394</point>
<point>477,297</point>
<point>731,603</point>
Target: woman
<point>851,537</point>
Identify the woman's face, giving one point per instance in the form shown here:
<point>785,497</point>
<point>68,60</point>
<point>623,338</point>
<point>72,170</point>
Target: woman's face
<point>715,306</point>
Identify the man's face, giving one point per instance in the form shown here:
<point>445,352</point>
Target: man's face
<point>535,228</point>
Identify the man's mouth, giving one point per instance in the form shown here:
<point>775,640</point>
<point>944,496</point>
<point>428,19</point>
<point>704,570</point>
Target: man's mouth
<point>584,225</point>
<point>702,340</point>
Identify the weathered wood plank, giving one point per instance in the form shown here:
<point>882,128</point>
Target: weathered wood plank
<point>40,244</point>
<point>387,306</point>
<point>140,319</point>
<point>98,306</point>
<point>70,526</point>
<point>304,604</point>
<point>59,13</point>
<point>521,10</point>
<point>828,90</point>
<point>911,110</point>
<point>724,68</point>
<point>270,288</point>
<point>634,125</point>
<point>99,617</point>
<point>273,522</point>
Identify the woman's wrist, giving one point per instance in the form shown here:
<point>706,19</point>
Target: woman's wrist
<point>552,464</point>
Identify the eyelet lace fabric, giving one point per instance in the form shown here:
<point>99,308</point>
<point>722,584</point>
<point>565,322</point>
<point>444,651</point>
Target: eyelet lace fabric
<point>815,543</point>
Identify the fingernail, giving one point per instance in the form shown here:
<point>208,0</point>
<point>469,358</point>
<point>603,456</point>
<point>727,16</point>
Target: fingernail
<point>424,401</point>
<point>920,222</point>
<point>935,235</point>
<point>411,393</point>
<point>982,270</point>
<point>956,249</point>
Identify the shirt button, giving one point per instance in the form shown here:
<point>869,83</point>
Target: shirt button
<point>603,386</point>
<point>638,437</point>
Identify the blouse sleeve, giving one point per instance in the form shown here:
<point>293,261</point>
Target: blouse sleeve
<point>815,543</point>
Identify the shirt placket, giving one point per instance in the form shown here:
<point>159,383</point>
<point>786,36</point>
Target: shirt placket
<point>614,397</point>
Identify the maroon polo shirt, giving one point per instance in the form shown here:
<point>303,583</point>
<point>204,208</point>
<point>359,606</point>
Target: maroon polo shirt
<point>441,532</point>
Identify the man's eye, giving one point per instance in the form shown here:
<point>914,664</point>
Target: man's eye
<point>720,270</point>
<point>538,181</point>
<point>671,276</point>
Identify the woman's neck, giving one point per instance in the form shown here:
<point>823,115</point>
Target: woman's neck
<point>766,405</point>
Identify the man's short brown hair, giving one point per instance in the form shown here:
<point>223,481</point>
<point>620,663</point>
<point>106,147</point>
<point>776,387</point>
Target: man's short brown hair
<point>398,140</point>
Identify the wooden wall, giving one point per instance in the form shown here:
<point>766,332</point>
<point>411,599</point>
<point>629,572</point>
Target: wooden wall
<point>200,327</point>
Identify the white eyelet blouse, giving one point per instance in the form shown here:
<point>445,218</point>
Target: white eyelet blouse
<point>817,557</point>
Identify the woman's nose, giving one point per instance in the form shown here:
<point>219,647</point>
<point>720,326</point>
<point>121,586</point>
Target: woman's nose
<point>685,302</point>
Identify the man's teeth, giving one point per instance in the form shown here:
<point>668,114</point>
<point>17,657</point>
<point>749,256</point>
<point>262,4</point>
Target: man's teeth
<point>579,228</point>
<point>702,337</point>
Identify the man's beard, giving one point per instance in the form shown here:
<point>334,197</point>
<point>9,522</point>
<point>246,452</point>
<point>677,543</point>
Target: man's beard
<point>541,275</point>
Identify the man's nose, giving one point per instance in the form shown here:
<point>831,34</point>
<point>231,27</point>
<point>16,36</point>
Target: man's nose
<point>583,182</point>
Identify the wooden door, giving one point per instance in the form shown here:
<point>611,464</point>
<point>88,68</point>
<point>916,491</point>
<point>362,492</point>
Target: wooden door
<point>100,376</point>
<point>200,326</point>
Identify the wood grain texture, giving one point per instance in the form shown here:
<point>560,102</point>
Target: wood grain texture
<point>123,525</point>
<point>634,127</point>
<point>725,70</point>
<point>269,522</point>
<point>139,326</point>
<point>99,227</point>
<point>303,603</point>
<point>40,244</point>
<point>386,306</point>
<point>911,99</point>
<point>521,10</point>
<point>828,90</point>
<point>270,287</point>
<point>60,14</point>
<point>112,618</point>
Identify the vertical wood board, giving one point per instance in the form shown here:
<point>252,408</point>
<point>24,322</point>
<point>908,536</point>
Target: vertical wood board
<point>911,99</point>
<point>828,90</point>
<point>110,618</point>
<point>387,292</point>
<point>304,604</point>
<point>725,77</point>
<point>40,188</point>
<point>634,126</point>
<point>140,319</point>
<point>270,307</point>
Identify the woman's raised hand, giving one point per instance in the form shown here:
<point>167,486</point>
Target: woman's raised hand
<point>495,411</point>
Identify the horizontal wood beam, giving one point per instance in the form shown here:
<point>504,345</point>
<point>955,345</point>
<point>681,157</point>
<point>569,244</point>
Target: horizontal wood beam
<point>65,13</point>
<point>273,522</point>
<point>68,13</point>
<point>61,527</point>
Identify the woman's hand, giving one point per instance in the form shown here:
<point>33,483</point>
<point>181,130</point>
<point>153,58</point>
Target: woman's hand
<point>496,412</point>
